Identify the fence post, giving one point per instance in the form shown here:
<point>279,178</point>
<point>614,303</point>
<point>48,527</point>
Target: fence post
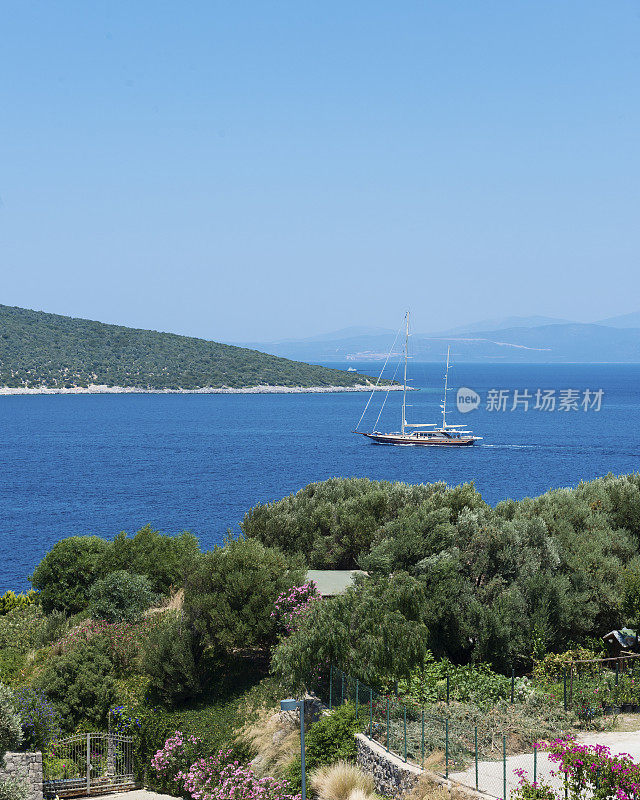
<point>387,724</point>
<point>422,739</point>
<point>88,763</point>
<point>330,684</point>
<point>370,713</point>
<point>617,670</point>
<point>447,688</point>
<point>535,763</point>
<point>513,683</point>
<point>571,686</point>
<point>475,736</point>
<point>357,691</point>
<point>446,747</point>
<point>504,767</point>
<point>564,681</point>
<point>405,732</point>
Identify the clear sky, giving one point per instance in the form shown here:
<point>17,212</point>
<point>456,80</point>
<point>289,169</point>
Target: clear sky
<point>257,170</point>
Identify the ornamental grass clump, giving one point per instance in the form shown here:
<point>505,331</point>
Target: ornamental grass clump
<point>341,781</point>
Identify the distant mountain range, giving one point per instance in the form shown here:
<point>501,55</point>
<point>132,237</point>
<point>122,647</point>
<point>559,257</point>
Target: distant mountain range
<point>513,339</point>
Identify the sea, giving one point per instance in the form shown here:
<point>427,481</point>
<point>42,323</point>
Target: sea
<point>99,464</point>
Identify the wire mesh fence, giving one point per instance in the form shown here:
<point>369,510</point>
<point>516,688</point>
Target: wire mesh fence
<point>480,759</point>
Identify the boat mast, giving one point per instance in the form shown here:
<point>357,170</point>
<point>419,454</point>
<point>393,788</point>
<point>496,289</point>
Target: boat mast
<point>406,356</point>
<point>446,383</point>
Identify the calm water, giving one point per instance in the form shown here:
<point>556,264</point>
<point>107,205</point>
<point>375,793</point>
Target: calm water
<point>104,463</point>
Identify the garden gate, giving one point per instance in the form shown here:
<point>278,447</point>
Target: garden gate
<point>89,763</point>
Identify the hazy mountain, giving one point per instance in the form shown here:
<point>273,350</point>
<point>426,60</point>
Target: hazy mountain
<point>624,321</point>
<point>554,343</point>
<point>504,324</point>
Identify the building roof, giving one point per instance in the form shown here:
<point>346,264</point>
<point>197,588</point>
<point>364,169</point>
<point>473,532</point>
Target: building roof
<point>331,582</point>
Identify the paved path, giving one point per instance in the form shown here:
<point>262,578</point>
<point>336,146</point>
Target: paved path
<point>491,775</point>
<point>137,794</point>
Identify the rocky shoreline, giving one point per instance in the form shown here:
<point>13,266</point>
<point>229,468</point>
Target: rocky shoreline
<point>101,389</point>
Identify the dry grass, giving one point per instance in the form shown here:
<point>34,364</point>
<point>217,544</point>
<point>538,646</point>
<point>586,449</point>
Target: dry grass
<point>427,789</point>
<point>276,738</point>
<point>342,781</point>
<point>172,603</point>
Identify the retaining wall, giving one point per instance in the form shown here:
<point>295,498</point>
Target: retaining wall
<point>392,776</point>
<point>26,767</point>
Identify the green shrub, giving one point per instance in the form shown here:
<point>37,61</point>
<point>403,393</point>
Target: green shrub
<point>330,739</point>
<point>66,573</point>
<point>10,730</point>
<point>230,596</point>
<point>120,597</point>
<point>164,560</point>
<point>172,660</point>
<point>13,789</point>
<point>79,683</point>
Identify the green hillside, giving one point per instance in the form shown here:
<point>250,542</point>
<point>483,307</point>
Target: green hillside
<point>48,350</point>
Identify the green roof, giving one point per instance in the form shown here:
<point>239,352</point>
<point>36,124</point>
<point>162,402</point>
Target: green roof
<point>333,581</point>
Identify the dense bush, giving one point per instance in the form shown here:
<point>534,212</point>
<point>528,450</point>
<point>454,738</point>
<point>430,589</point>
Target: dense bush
<point>67,572</point>
<point>120,597</point>
<point>79,682</point>
<point>173,660</point>
<point>230,596</point>
<point>10,739</point>
<point>164,560</point>
<point>10,729</point>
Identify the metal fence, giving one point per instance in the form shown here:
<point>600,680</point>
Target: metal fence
<point>91,763</point>
<point>472,757</point>
<point>596,686</point>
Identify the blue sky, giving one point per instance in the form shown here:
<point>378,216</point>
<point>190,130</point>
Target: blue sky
<point>246,171</point>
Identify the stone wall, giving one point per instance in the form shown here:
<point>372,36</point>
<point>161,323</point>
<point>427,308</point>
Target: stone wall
<point>26,767</point>
<point>392,776</point>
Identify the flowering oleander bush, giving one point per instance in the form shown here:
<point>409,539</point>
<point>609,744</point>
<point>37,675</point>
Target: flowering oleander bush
<point>38,717</point>
<point>217,778</point>
<point>293,605</point>
<point>172,762</point>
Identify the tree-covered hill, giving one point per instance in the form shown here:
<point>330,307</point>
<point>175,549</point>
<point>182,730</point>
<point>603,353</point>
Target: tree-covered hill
<point>38,349</point>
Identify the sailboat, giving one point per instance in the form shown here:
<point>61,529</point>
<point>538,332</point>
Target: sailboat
<point>422,433</point>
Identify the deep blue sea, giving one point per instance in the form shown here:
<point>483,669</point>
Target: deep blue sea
<point>80,464</point>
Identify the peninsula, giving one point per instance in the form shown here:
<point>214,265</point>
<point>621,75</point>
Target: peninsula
<point>42,353</point>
